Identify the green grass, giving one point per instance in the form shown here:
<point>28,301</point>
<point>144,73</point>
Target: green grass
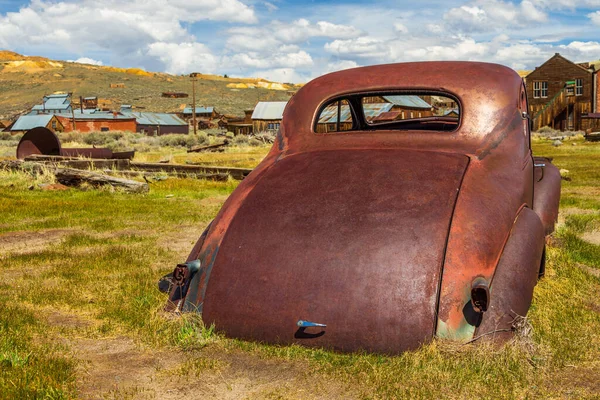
<point>113,248</point>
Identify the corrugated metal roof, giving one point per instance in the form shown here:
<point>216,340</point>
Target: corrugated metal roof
<point>371,110</point>
<point>270,110</point>
<point>27,122</point>
<point>408,101</point>
<point>93,115</point>
<point>149,118</point>
<point>57,96</point>
<point>199,110</point>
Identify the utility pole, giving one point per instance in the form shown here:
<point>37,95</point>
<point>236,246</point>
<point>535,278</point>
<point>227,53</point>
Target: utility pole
<point>193,75</point>
<point>72,110</point>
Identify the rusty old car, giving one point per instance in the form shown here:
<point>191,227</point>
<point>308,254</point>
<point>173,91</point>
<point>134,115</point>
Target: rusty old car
<point>399,203</point>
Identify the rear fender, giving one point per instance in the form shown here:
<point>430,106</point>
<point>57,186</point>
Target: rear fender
<point>515,277</point>
<point>546,192</point>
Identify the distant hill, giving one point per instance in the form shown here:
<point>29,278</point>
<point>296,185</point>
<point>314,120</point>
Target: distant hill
<point>25,80</point>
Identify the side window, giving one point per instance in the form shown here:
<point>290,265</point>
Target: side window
<point>335,117</point>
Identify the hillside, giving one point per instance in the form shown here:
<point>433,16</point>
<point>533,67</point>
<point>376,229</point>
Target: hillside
<point>24,80</point>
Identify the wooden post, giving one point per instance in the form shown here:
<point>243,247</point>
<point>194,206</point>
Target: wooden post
<point>193,76</point>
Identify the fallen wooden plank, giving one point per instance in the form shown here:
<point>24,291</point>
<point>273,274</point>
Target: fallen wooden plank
<point>73,177</point>
<point>236,173</point>
<point>151,175</point>
<point>211,147</point>
<point>181,169</point>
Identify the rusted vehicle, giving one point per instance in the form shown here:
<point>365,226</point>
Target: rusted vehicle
<point>399,203</point>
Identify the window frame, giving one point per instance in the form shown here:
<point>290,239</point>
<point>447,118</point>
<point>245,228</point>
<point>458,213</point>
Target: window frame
<point>579,87</point>
<point>354,98</point>
<point>537,89</point>
<point>544,89</point>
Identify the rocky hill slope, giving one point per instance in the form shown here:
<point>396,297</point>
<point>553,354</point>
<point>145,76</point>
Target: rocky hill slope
<point>25,80</point>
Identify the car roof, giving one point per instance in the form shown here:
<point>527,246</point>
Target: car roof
<point>488,95</point>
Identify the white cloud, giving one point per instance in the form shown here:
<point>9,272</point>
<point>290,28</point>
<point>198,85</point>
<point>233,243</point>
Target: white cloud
<point>567,4</point>
<point>360,47</point>
<point>340,65</point>
<point>595,17</point>
<point>584,47</point>
<point>86,60</point>
<point>277,60</point>
<point>490,15</point>
<point>282,75</point>
<point>121,27</point>
<point>400,28</point>
<point>183,58</point>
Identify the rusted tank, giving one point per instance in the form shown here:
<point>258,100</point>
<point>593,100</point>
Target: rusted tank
<point>43,141</point>
<point>381,236</point>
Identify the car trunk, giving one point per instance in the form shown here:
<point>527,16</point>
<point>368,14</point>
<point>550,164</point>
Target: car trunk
<point>353,239</point>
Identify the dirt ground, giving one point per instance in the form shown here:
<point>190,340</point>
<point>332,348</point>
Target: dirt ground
<point>118,367</point>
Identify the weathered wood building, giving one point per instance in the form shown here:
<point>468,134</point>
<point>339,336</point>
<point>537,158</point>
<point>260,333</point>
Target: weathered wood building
<point>27,122</point>
<point>560,93</point>
<point>267,116</point>
<point>241,126</point>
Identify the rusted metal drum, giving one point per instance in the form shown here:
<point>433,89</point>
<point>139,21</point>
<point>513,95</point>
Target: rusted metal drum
<point>38,140</point>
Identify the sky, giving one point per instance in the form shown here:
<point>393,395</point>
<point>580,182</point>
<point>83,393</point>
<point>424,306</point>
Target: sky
<point>295,41</point>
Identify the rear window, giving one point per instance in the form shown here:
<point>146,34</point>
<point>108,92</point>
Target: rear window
<point>429,111</point>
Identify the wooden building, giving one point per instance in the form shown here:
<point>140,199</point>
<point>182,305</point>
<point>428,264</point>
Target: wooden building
<point>559,93</point>
<point>175,95</point>
<point>30,121</point>
<point>267,116</point>
<point>240,126</point>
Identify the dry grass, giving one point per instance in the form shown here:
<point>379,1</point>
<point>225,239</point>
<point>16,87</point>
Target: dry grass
<point>79,306</point>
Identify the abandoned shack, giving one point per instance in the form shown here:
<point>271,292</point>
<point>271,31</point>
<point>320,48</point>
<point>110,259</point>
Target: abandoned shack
<point>53,104</point>
<point>92,120</point>
<point>27,122</point>
<point>240,126</point>
<point>156,124</point>
<point>174,95</point>
<point>561,93</point>
<point>201,112</point>
<point>267,116</point>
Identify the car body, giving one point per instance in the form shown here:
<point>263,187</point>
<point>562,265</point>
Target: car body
<point>380,238</point>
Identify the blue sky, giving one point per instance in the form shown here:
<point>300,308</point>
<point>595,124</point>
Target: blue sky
<point>295,41</point>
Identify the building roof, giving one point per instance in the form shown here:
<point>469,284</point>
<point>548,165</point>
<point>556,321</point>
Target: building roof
<point>270,110</point>
<point>149,118</point>
<point>27,122</point>
<point>451,111</point>
<point>387,116</point>
<point>371,110</point>
<point>54,102</point>
<point>94,115</point>
<point>410,101</point>
<point>199,110</point>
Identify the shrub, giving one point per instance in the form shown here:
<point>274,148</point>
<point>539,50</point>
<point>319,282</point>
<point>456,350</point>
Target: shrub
<point>240,140</point>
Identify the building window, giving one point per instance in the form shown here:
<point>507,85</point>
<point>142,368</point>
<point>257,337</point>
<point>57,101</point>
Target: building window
<point>53,124</point>
<point>579,87</point>
<point>104,129</point>
<point>411,115</point>
<point>536,89</point>
<point>544,89</point>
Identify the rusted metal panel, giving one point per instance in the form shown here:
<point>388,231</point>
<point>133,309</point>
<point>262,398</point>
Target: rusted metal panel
<point>38,141</point>
<point>89,152</point>
<point>358,248</point>
<point>383,236</point>
<point>42,141</point>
